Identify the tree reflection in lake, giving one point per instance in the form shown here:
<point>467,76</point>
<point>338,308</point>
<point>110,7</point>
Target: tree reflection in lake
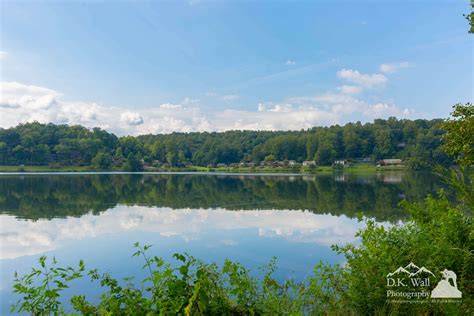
<point>57,196</point>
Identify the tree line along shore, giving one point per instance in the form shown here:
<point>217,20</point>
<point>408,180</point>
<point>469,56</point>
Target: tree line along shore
<point>391,144</point>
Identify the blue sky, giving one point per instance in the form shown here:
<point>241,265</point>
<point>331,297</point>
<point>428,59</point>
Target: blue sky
<point>139,67</point>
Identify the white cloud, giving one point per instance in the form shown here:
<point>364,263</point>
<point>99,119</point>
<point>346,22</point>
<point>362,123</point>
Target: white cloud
<point>3,55</point>
<point>21,238</point>
<point>131,118</point>
<point>290,62</point>
<point>15,89</point>
<point>170,106</point>
<point>270,107</point>
<point>279,117</point>
<point>23,103</point>
<point>394,67</point>
<point>383,110</point>
<point>347,89</point>
<point>341,105</point>
<point>365,80</point>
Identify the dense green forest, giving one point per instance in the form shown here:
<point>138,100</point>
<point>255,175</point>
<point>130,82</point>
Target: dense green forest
<point>417,142</point>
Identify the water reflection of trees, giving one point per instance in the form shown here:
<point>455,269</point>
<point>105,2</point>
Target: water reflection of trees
<point>46,197</point>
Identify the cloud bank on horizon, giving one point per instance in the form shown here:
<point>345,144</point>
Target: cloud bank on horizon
<point>21,103</point>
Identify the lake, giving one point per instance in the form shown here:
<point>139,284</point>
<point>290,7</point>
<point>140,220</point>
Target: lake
<point>244,217</point>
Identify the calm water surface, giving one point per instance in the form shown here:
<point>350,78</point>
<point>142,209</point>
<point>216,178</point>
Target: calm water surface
<point>248,218</point>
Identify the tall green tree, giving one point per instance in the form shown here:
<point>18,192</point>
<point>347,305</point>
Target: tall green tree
<point>459,137</point>
<point>102,161</point>
<point>172,154</point>
<point>132,164</point>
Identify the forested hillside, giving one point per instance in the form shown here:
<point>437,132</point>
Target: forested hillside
<point>416,142</point>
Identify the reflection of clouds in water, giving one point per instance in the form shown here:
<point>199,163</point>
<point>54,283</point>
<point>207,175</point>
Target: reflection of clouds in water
<point>229,242</point>
<point>20,238</point>
<point>131,221</point>
<point>25,241</point>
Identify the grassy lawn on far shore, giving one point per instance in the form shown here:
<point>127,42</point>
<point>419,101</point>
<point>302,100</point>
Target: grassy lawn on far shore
<point>44,169</point>
<point>361,168</point>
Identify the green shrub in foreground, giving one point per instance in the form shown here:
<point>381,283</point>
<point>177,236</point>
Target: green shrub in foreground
<point>192,288</point>
<point>438,235</point>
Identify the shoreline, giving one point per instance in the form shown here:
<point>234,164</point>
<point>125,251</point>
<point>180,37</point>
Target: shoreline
<point>200,170</point>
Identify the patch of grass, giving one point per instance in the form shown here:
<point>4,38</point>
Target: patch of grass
<point>357,168</point>
<point>372,168</point>
<point>44,169</point>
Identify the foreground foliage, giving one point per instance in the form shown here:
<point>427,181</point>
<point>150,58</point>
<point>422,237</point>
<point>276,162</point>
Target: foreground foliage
<point>459,136</point>
<point>438,236</point>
